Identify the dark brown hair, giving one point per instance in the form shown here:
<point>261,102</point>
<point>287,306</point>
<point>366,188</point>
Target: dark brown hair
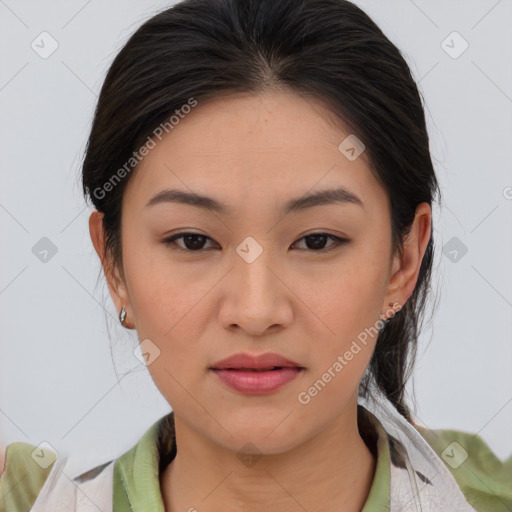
<point>327,49</point>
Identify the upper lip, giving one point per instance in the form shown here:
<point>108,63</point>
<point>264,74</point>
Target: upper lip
<point>255,361</point>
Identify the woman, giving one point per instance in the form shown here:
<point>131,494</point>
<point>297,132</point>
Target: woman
<point>262,185</point>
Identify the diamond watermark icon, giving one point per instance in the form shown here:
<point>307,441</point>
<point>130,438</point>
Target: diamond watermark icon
<point>454,455</point>
<point>351,147</point>
<point>44,454</point>
<point>454,250</point>
<point>44,249</point>
<point>44,45</point>
<point>146,352</point>
<point>249,459</point>
<point>454,45</point>
<point>249,250</point>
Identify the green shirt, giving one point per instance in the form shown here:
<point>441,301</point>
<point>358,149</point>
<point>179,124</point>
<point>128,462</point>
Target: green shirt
<point>485,481</point>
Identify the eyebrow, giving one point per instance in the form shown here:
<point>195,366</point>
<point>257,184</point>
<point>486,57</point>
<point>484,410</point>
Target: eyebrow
<point>323,197</point>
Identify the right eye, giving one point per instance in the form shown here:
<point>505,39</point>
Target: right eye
<point>193,242</point>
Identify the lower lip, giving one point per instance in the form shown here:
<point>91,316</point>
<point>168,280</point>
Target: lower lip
<point>257,383</point>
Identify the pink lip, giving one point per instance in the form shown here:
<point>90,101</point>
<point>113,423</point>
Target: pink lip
<point>253,361</point>
<point>238,373</point>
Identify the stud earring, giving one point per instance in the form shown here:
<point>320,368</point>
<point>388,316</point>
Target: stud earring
<point>122,316</point>
<point>394,305</point>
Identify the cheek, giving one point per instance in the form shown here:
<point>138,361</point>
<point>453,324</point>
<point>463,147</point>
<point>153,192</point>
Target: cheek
<point>347,296</point>
<point>162,293</point>
<point>346,338</point>
<point>345,303</point>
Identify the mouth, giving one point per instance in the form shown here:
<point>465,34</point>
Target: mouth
<point>256,375</point>
<point>256,381</point>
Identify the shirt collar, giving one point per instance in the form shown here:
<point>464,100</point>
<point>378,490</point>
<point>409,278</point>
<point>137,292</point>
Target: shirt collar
<point>137,472</point>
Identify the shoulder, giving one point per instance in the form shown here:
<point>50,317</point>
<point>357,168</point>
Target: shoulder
<point>38,479</point>
<point>485,480</point>
<point>25,470</point>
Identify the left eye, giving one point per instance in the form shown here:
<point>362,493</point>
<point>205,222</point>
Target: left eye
<point>318,240</point>
<point>194,242</point>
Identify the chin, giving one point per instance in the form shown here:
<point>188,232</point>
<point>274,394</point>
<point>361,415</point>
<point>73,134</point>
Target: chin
<point>262,433</point>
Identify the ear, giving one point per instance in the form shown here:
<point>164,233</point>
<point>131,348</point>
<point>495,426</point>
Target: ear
<point>405,268</point>
<point>115,279</point>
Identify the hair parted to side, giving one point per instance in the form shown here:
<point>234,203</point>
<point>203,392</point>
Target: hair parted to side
<point>325,49</point>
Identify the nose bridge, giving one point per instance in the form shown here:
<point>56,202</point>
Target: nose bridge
<point>255,299</point>
<point>254,302</point>
<point>252,271</point>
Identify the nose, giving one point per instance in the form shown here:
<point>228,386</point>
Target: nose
<point>256,298</point>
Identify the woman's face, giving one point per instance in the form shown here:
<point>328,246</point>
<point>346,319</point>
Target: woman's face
<point>253,280</point>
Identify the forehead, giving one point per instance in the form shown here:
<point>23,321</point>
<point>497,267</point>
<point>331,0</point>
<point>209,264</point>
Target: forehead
<point>273,145</point>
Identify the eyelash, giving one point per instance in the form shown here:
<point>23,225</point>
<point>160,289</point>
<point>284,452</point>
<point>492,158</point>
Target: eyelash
<point>170,242</point>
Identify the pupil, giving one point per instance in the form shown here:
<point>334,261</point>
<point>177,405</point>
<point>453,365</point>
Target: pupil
<point>316,239</point>
<point>193,246</point>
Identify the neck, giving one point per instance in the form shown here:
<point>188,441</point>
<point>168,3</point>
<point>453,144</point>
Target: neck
<point>333,470</point>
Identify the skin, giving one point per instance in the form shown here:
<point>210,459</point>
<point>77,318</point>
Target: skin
<point>255,152</point>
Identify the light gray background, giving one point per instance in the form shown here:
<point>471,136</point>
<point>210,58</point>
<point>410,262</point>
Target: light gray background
<point>57,380</point>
